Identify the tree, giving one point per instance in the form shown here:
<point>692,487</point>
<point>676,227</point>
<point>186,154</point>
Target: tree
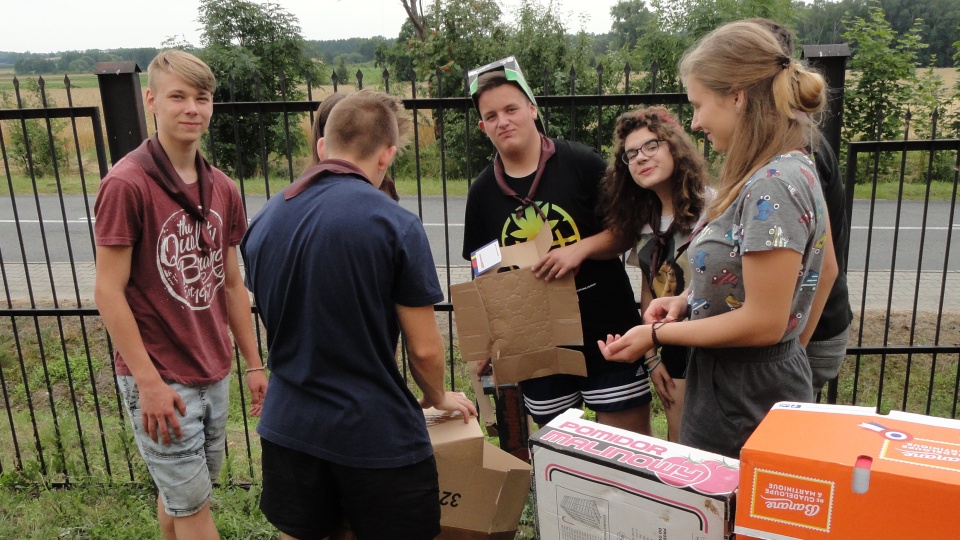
<point>629,19</point>
<point>256,52</point>
<point>679,24</point>
<point>883,73</point>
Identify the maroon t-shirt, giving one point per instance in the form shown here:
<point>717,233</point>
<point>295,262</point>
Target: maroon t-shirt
<point>175,290</point>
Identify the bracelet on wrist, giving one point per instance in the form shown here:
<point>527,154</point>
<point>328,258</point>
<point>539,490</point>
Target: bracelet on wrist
<point>250,370</point>
<point>655,364</point>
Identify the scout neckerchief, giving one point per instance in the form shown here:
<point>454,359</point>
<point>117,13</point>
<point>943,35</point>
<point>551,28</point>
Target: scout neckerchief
<point>547,149</point>
<point>154,161</point>
<point>660,243</point>
<point>316,173</point>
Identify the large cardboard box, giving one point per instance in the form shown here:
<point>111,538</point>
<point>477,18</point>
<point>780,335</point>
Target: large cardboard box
<point>518,320</point>
<point>832,471</point>
<point>596,482</point>
<point>482,489</point>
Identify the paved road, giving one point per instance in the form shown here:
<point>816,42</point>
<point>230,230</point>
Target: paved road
<point>876,226</point>
<point>877,223</point>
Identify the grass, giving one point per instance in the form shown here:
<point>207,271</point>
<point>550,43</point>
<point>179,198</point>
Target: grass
<point>939,191</point>
<point>98,505</point>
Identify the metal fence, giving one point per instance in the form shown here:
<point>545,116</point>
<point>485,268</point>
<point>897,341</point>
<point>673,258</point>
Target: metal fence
<point>64,421</point>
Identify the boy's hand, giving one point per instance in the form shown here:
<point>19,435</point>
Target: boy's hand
<point>456,401</point>
<point>556,263</point>
<point>257,383</point>
<point>157,405</point>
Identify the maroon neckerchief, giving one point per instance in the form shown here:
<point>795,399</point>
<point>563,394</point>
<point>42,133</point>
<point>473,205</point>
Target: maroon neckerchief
<point>547,149</point>
<point>315,174</point>
<point>154,161</point>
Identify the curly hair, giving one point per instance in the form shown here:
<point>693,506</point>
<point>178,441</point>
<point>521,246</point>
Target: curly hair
<point>625,205</point>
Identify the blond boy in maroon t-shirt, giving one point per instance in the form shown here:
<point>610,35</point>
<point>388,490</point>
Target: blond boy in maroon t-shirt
<point>168,287</point>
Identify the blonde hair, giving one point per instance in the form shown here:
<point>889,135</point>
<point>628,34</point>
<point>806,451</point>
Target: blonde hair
<point>746,57</point>
<point>364,122</point>
<point>184,64</point>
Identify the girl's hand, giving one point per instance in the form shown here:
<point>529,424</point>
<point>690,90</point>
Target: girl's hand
<point>664,385</point>
<point>628,347</point>
<point>667,308</point>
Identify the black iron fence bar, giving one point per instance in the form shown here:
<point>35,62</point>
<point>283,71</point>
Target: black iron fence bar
<point>52,112</point>
<point>913,145</point>
<point>605,100</point>
<point>902,349</point>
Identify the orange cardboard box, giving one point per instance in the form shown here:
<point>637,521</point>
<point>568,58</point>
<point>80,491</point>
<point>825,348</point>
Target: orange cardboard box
<point>832,471</point>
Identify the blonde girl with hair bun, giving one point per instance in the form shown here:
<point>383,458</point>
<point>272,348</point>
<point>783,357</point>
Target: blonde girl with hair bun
<point>762,267</point>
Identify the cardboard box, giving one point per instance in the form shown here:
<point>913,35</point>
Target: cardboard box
<point>596,482</point>
<point>832,471</point>
<point>518,320</point>
<point>482,489</point>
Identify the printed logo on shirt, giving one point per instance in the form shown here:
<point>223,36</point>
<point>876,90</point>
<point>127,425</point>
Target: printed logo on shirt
<point>527,225</point>
<point>191,276</point>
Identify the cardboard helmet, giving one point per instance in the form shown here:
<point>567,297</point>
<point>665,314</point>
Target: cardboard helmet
<point>511,69</point>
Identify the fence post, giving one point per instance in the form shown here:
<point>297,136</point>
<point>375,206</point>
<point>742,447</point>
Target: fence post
<point>122,106</point>
<point>831,62</point>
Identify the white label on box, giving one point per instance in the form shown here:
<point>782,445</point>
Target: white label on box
<point>485,258</point>
<point>577,500</point>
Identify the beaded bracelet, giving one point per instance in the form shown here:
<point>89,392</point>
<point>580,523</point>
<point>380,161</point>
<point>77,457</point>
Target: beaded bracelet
<point>261,368</point>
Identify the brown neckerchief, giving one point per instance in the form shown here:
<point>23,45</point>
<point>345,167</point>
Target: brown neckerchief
<point>154,161</point>
<point>660,239</point>
<point>315,174</point>
<point>547,149</point>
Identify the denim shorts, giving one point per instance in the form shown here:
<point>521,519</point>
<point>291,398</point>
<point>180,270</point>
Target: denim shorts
<point>184,470</point>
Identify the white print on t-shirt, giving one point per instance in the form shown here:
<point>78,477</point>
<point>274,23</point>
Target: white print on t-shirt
<point>190,275</point>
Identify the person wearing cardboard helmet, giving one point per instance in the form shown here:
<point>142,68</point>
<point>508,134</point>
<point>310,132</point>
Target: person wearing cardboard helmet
<point>534,181</point>
<point>338,271</point>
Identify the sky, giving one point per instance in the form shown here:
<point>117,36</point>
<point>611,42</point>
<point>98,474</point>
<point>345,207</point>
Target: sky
<point>63,25</point>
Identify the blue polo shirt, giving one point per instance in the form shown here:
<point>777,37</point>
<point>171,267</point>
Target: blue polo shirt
<point>327,263</point>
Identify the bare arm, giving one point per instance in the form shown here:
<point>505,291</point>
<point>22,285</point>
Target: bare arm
<point>425,350</point>
<point>828,274</point>
<point>157,400</point>
<point>661,380</point>
<point>761,320</point>
<point>556,263</point>
<point>241,326</point>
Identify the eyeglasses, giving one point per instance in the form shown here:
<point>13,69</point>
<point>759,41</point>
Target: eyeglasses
<point>648,149</point>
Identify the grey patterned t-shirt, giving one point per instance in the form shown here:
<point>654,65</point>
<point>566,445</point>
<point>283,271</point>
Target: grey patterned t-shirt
<point>781,206</point>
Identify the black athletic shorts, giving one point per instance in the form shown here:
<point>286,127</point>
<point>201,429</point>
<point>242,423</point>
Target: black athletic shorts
<point>308,498</point>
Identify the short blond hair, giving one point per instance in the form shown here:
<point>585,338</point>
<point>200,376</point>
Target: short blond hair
<point>366,121</point>
<point>184,64</point>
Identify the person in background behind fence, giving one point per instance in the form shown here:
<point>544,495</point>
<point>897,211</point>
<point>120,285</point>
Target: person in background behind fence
<point>537,181</point>
<point>828,345</point>
<point>764,264</point>
<point>338,271</point>
<point>323,112</point>
<point>168,286</point>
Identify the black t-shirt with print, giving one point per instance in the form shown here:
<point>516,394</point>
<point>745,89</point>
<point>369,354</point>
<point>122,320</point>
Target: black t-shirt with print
<point>567,194</point>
